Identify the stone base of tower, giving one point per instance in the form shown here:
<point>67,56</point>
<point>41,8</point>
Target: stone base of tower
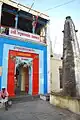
<point>70,103</point>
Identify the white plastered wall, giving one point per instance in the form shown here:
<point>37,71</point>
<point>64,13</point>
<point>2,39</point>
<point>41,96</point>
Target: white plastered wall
<point>55,78</point>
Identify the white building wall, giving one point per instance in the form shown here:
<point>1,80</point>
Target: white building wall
<point>55,78</point>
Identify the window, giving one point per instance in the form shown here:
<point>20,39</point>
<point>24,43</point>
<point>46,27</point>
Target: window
<point>8,16</point>
<point>24,24</point>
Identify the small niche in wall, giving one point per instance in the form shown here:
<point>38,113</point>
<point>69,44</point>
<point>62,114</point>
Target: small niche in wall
<point>60,76</point>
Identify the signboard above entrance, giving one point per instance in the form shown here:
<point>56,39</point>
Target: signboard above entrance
<point>24,35</point>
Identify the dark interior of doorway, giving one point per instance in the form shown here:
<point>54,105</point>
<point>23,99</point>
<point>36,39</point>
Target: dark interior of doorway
<point>22,75</point>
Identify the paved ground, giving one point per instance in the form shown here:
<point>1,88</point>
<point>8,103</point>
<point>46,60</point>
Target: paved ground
<point>36,110</point>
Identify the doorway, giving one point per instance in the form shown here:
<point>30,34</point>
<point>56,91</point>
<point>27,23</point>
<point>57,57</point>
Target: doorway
<point>21,79</point>
<point>33,78</point>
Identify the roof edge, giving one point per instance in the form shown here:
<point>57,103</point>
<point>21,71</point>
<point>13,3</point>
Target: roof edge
<point>25,8</point>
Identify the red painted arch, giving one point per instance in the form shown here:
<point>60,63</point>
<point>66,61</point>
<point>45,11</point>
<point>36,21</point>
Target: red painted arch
<point>11,69</point>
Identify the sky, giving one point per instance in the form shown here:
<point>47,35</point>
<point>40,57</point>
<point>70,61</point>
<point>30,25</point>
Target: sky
<point>57,18</point>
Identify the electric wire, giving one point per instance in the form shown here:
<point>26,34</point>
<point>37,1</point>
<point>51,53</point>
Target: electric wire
<point>60,5</point>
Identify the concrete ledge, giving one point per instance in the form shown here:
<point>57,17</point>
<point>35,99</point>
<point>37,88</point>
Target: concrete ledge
<point>66,102</point>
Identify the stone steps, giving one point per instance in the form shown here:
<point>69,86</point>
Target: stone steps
<point>24,98</point>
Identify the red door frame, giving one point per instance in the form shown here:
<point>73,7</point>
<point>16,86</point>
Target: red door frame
<point>11,69</point>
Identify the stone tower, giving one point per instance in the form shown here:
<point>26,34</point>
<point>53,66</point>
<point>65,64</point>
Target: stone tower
<point>71,60</point>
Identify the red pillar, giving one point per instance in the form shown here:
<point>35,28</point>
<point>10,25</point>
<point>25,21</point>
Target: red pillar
<point>35,76</point>
<point>11,69</point>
